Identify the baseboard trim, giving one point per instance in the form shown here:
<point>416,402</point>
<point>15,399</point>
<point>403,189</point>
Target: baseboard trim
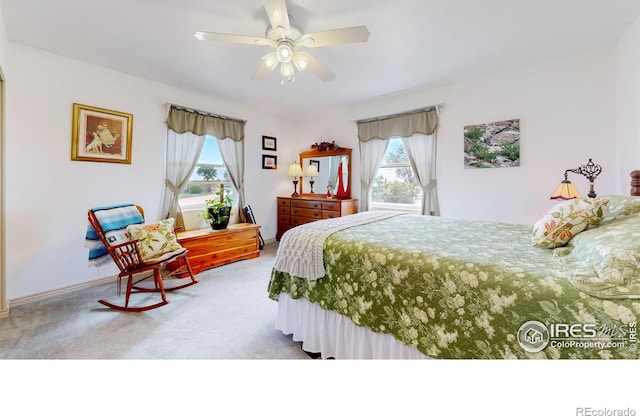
<point>4,313</point>
<point>51,293</point>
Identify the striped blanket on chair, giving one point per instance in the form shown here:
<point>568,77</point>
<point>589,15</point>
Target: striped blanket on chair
<point>113,221</point>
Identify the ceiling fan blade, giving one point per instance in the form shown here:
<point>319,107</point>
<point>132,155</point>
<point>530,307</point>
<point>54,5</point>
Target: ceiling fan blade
<point>225,37</point>
<point>269,63</point>
<point>305,61</point>
<point>336,36</point>
<point>277,13</point>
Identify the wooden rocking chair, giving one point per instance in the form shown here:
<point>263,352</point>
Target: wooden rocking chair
<point>129,259</point>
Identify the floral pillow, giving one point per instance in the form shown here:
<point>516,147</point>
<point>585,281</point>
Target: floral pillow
<point>565,220</point>
<point>155,239</point>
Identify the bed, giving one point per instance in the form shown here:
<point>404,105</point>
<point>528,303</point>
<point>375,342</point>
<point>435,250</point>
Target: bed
<point>388,285</point>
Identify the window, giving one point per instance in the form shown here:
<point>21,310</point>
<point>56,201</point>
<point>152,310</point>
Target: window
<point>206,178</point>
<point>395,187</point>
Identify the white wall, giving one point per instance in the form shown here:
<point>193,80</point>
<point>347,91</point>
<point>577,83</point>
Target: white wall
<point>48,195</point>
<point>566,111</point>
<point>566,108</point>
<point>628,105</point>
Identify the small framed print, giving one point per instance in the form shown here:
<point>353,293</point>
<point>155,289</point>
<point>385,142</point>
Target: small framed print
<point>315,163</point>
<point>101,135</point>
<point>269,162</point>
<point>269,143</point>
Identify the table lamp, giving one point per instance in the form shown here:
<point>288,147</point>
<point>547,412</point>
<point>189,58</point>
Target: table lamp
<point>295,171</point>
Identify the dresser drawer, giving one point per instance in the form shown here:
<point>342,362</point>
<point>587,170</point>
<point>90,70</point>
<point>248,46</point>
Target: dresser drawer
<point>301,220</point>
<point>331,206</point>
<point>306,204</point>
<point>284,219</point>
<point>307,213</point>
<point>296,211</point>
<point>282,210</point>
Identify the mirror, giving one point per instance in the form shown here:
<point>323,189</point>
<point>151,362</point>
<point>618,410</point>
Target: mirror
<point>329,161</point>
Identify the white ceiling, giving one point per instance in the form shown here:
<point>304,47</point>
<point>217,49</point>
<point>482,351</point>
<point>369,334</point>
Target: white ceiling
<point>413,43</point>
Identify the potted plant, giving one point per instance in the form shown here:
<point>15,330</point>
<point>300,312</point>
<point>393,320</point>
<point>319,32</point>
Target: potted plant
<point>217,211</point>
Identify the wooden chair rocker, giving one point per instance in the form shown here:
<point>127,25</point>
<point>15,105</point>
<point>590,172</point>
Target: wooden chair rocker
<point>130,243</point>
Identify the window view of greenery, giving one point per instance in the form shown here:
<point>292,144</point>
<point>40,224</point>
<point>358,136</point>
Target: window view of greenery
<point>395,186</point>
<point>206,178</point>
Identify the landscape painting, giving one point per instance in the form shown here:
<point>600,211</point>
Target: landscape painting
<point>492,145</point>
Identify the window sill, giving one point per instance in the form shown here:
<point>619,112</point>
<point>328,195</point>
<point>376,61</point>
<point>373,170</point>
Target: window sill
<point>385,206</point>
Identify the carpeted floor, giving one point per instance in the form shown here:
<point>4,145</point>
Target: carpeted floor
<point>227,315</point>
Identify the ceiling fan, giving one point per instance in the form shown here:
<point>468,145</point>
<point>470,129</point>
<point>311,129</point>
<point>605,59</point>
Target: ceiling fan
<point>287,42</point>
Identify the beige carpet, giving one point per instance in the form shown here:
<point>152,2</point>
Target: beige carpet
<point>226,316</point>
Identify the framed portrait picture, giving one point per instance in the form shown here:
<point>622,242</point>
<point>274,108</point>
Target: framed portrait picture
<point>315,163</point>
<point>101,135</point>
<point>269,162</point>
<point>269,143</point>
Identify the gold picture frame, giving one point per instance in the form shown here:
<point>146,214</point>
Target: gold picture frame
<point>101,135</point>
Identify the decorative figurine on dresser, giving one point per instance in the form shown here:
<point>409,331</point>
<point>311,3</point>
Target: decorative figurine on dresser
<point>324,163</point>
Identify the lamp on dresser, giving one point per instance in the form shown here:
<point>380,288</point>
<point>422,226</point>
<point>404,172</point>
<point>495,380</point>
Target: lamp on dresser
<point>295,172</point>
<point>311,173</point>
<point>566,190</point>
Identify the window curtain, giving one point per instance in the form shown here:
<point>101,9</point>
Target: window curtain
<point>371,155</point>
<point>183,152</point>
<point>232,152</point>
<point>418,131</point>
<point>422,148</point>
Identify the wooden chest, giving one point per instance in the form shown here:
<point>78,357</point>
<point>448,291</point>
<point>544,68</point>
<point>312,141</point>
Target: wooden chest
<point>211,248</point>
<point>294,211</point>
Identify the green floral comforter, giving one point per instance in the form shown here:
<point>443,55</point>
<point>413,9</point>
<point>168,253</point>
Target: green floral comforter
<point>464,289</point>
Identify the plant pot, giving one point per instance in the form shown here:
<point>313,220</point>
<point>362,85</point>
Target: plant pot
<point>220,219</point>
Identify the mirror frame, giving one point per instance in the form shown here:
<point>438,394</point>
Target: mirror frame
<point>316,152</point>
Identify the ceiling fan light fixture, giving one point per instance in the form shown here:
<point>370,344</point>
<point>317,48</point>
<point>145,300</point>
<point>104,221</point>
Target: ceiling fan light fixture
<point>284,52</point>
<point>301,60</point>
<point>271,61</point>
<point>286,70</point>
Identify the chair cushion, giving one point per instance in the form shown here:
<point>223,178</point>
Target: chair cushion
<point>166,257</point>
<point>155,239</point>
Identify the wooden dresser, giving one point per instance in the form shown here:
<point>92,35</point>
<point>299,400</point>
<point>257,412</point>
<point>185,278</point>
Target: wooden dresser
<point>211,248</point>
<point>294,211</point>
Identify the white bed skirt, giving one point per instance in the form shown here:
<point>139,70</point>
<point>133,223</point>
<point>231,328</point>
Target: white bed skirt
<point>335,336</point>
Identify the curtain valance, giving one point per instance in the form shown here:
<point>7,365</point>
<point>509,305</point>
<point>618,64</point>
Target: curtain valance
<point>400,125</point>
<point>182,120</point>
